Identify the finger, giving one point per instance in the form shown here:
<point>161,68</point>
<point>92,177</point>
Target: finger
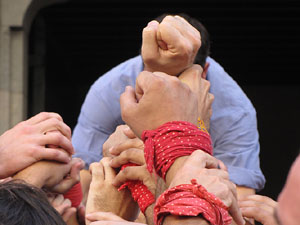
<point>187,30</point>
<point>259,199</point>
<point>235,212</point>
<point>53,124</point>
<point>254,204</point>
<point>5,180</point>
<point>52,154</point>
<point>58,200</point>
<point>132,155</point>
<point>50,197</point>
<point>232,188</point>
<point>64,206</point>
<point>74,177</point>
<point>218,173</point>
<point>150,43</point>
<point>97,170</point>
<point>43,116</point>
<point>69,212</point>
<point>130,143</point>
<point>258,214</point>
<point>109,172</point>
<point>128,102</point>
<point>56,139</point>
<point>96,216</point>
<point>129,133</point>
<point>129,173</point>
<point>172,37</point>
<point>142,83</point>
<point>222,165</point>
<point>201,159</point>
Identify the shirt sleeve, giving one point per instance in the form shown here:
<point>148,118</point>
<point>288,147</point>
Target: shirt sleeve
<point>234,129</point>
<point>237,146</point>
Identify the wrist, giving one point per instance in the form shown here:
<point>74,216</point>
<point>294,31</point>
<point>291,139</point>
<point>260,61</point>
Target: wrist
<point>28,178</point>
<point>178,163</point>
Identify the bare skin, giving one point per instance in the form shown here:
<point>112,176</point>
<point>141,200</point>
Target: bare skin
<point>28,142</point>
<point>105,197</point>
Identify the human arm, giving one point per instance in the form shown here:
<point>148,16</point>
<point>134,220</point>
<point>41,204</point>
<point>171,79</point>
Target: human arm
<point>62,206</point>
<point>26,143</point>
<point>109,199</point>
<point>170,46</point>
<point>52,175</point>
<point>259,208</point>
<point>142,115</point>
<point>132,151</point>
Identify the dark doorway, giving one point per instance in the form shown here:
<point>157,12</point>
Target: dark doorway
<point>257,42</point>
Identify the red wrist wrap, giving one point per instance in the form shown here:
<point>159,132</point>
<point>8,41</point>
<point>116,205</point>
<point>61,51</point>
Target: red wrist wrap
<point>191,200</point>
<point>75,195</point>
<point>172,140</point>
<point>139,192</point>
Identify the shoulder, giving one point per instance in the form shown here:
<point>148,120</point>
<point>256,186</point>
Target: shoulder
<point>123,74</point>
<point>228,94</point>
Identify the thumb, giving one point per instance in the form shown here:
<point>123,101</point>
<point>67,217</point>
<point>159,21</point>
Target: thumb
<point>128,102</point>
<point>150,46</point>
<point>129,133</point>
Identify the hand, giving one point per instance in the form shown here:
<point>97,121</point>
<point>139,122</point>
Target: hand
<point>106,216</point>
<point>104,197</point>
<point>192,77</point>
<point>121,134</point>
<point>170,46</point>
<point>62,206</point>
<point>259,208</point>
<point>52,175</point>
<point>26,143</point>
<point>203,167</point>
<point>158,99</point>
<point>132,151</point>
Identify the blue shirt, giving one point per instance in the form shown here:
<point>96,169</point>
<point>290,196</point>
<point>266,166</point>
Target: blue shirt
<point>233,125</point>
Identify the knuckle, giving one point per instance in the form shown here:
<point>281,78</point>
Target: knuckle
<point>26,128</point>
<point>44,115</point>
<point>126,171</point>
<point>32,152</point>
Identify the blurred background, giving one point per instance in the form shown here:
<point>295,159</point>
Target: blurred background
<point>52,51</point>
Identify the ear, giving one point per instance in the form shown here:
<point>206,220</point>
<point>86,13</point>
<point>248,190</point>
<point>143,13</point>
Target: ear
<point>205,69</point>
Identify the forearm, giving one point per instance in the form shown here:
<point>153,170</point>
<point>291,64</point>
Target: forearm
<point>178,163</point>
<point>244,191</point>
<point>85,180</point>
<point>149,214</point>
<point>34,174</point>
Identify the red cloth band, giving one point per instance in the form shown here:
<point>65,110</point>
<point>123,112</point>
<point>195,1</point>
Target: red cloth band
<point>172,140</point>
<point>191,200</point>
<point>139,192</point>
<point>75,195</point>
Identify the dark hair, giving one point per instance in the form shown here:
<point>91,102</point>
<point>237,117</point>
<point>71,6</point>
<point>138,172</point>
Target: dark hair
<point>204,50</point>
<point>23,204</point>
